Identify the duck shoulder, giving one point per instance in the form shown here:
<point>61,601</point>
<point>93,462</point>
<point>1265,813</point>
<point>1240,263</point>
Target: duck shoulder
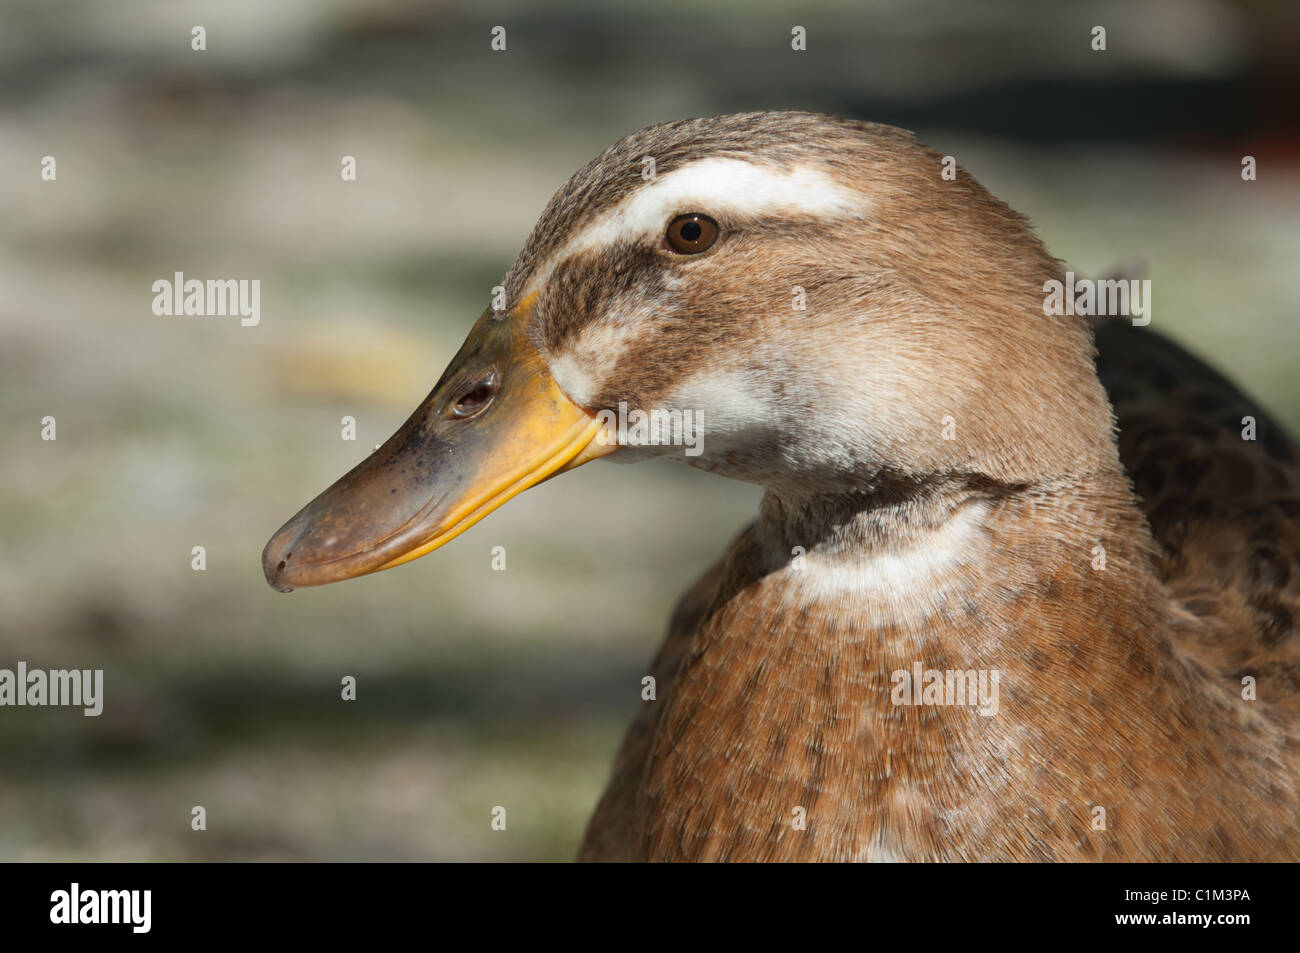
<point>1223,505</point>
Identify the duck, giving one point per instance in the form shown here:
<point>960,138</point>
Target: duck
<point>1093,529</point>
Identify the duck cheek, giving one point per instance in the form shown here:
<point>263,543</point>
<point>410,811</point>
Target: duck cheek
<point>642,430</point>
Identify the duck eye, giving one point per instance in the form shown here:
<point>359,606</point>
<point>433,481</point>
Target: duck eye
<point>691,234</point>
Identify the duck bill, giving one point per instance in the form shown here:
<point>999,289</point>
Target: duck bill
<point>495,425</point>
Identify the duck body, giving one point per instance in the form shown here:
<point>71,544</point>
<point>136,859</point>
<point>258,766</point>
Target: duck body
<point>782,698</point>
<point>944,493</point>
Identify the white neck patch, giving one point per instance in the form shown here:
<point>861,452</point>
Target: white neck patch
<point>902,585</point>
<point>715,186</point>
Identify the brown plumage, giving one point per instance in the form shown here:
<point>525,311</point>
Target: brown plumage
<point>944,489</point>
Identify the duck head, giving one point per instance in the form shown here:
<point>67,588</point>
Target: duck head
<point>836,313</point>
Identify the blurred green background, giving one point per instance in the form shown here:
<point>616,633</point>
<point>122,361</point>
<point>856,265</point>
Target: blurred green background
<point>476,688</point>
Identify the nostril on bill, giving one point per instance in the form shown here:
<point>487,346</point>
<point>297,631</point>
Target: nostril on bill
<point>476,398</point>
<point>274,563</point>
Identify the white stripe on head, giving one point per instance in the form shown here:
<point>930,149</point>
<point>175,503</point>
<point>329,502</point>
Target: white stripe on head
<point>715,186</point>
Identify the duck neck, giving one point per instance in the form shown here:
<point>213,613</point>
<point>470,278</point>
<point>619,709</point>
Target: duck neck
<point>1034,594</point>
<point>846,532</point>
<point>969,570</point>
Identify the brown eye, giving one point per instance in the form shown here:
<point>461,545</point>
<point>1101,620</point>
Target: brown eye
<point>692,234</point>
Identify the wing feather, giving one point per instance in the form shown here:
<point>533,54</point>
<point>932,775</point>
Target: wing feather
<point>1224,509</point>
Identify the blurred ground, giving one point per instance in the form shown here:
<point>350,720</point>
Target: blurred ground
<point>476,688</point>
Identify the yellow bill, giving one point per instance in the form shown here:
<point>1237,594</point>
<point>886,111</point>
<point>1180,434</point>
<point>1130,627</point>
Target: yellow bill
<point>495,425</point>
